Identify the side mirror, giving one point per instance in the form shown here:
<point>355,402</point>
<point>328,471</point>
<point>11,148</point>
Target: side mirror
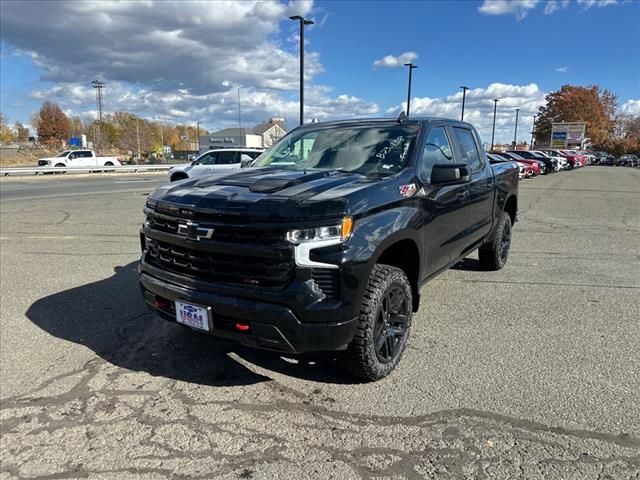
<point>450,174</point>
<point>245,161</point>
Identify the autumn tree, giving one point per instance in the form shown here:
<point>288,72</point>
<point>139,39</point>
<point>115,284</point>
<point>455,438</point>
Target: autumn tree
<point>571,103</point>
<point>6,133</point>
<point>51,123</point>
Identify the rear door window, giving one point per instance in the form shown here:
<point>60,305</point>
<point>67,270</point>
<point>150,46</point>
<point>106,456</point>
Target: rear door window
<point>228,158</point>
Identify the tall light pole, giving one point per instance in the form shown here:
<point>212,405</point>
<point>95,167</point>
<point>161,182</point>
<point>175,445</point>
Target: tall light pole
<point>515,132</point>
<point>493,130</point>
<point>533,129</point>
<point>303,21</point>
<point>411,67</point>
<point>464,94</point>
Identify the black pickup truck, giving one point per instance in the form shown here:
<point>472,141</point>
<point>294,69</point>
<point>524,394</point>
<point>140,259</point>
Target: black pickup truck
<point>324,242</point>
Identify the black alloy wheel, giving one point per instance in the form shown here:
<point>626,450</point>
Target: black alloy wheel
<point>391,324</point>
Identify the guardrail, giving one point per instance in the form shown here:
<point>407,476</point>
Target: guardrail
<point>49,169</point>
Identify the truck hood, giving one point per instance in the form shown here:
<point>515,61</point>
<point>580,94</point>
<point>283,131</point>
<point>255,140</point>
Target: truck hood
<point>282,195</point>
<point>51,159</point>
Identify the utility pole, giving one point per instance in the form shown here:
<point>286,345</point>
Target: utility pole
<point>303,21</point>
<point>198,134</point>
<point>411,67</point>
<point>239,115</point>
<point>493,130</point>
<point>138,139</point>
<point>464,94</point>
<point>162,141</point>
<point>98,86</point>
<point>533,129</point>
<point>515,133</point>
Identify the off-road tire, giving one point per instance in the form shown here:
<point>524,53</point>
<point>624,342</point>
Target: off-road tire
<point>360,357</point>
<point>492,255</point>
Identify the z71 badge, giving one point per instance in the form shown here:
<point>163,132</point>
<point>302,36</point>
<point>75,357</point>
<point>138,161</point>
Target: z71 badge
<point>408,190</point>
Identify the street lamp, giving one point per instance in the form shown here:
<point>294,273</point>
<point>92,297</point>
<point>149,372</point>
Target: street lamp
<point>493,130</point>
<point>515,133</point>
<point>464,94</point>
<point>411,67</point>
<point>533,129</point>
<point>303,21</point>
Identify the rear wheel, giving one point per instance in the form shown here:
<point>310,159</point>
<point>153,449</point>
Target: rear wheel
<point>493,255</point>
<point>383,325</point>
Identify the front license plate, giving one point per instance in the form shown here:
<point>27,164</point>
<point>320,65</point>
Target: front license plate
<point>192,315</point>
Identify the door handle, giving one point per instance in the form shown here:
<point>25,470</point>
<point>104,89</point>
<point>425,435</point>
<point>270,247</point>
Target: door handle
<point>463,195</point>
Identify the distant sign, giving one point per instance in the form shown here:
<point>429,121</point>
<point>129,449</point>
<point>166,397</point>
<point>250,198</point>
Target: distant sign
<point>221,140</point>
<point>567,135</point>
<point>75,142</point>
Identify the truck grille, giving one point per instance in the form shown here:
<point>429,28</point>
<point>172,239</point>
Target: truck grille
<point>220,267</point>
<point>222,232</point>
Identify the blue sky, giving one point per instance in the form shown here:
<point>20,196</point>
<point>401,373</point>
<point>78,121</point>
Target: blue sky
<point>182,62</point>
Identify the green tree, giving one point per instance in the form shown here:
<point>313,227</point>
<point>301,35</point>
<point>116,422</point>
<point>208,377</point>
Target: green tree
<point>571,103</point>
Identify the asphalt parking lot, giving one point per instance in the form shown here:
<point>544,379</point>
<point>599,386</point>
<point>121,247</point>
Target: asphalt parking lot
<point>529,372</point>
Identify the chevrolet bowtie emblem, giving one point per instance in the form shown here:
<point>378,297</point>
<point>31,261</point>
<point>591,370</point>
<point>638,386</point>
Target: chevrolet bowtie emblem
<point>194,231</point>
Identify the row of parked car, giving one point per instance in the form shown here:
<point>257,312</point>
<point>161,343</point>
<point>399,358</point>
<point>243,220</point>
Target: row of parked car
<point>542,162</point>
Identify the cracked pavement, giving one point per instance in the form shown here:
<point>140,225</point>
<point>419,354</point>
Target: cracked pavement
<point>530,372</point>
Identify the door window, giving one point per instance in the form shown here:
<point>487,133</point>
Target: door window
<point>207,159</point>
<point>437,149</point>
<point>227,158</point>
<point>468,148</point>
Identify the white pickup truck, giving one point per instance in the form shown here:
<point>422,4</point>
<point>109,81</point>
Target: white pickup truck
<point>78,158</point>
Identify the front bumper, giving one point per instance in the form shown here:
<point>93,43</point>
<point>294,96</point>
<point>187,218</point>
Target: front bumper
<point>271,325</point>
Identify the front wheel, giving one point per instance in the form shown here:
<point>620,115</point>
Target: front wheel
<point>383,324</point>
<point>493,255</point>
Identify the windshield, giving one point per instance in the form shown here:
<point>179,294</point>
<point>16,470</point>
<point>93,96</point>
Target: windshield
<point>368,150</point>
<point>63,154</point>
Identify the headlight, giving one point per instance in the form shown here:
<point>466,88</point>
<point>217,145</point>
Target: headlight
<point>308,239</point>
<point>151,203</point>
<point>339,233</point>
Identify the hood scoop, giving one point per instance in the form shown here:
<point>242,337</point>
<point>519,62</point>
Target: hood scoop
<point>270,185</point>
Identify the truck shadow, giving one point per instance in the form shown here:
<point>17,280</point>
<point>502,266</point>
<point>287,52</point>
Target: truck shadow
<point>110,318</point>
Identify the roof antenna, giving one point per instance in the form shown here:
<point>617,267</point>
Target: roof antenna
<point>402,117</point>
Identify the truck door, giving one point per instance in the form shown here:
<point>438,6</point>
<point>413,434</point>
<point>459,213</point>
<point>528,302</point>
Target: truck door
<point>442,205</point>
<point>477,213</point>
<point>88,158</point>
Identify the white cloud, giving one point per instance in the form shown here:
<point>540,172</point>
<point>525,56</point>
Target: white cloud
<point>478,109</point>
<point>214,110</point>
<point>391,61</point>
<point>631,107</point>
<point>562,69</point>
<point>519,8</point>
<point>176,61</point>
<point>596,3</point>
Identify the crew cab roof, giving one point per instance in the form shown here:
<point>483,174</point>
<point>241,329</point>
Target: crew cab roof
<point>413,120</point>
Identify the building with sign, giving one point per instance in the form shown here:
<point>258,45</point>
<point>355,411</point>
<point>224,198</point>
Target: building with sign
<point>262,135</point>
<point>568,135</point>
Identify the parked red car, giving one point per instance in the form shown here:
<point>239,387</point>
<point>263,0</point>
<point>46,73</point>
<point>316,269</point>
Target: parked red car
<point>575,159</point>
<point>534,164</point>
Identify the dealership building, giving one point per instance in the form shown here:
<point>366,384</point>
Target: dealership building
<point>262,135</point>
